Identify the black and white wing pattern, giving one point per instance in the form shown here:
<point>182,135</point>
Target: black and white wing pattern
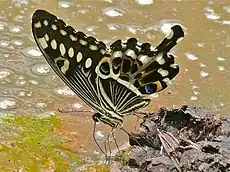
<point>71,54</point>
<point>135,71</point>
<point>113,80</point>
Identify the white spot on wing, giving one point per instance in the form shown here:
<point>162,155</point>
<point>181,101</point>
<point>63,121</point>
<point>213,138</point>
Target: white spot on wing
<point>174,66</point>
<point>62,49</point>
<point>117,54</point>
<point>163,72</point>
<point>102,51</point>
<point>37,25</point>
<point>65,67</point>
<point>63,32</point>
<point>54,27</point>
<point>73,38</point>
<point>160,59</point>
<point>54,44</point>
<point>83,42</point>
<point>43,43</point>
<point>142,58</point>
<point>131,53</point>
<point>169,34</point>
<point>88,63</point>
<point>71,52</point>
<point>45,22</point>
<point>79,57</point>
<point>93,47</point>
<point>166,80</point>
<point>179,40</point>
<point>46,37</point>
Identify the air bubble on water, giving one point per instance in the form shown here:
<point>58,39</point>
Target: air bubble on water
<point>4,43</point>
<point>21,82</point>
<point>65,91</point>
<point>196,92</point>
<point>112,26</point>
<point>21,94</point>
<point>219,58</point>
<point>29,94</point>
<point>18,42</point>
<point>77,105</point>
<point>165,25</point>
<point>113,12</point>
<point>40,105</point>
<point>221,104</point>
<point>83,11</point>
<point>194,87</point>
<point>15,29</point>
<point>132,29</point>
<point>33,82</point>
<point>211,14</point>
<point>19,18</point>
<point>191,56</point>
<point>200,44</point>
<point>144,2</point>
<point>204,74</point>
<point>227,22</point>
<point>32,52</point>
<point>221,68</point>
<point>7,104</point>
<point>4,74</point>
<point>194,98</point>
<point>64,4</point>
<point>2,26</point>
<point>227,9</point>
<point>21,2</point>
<point>99,135</point>
<point>91,28</point>
<point>41,69</point>
<point>110,1</point>
<point>165,28</point>
<point>202,65</point>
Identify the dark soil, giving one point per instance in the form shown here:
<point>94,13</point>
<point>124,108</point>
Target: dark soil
<point>185,140</point>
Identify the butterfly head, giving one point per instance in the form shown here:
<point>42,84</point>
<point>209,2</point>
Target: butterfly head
<point>109,118</point>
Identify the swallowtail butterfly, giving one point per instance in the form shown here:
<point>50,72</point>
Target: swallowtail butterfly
<point>114,81</point>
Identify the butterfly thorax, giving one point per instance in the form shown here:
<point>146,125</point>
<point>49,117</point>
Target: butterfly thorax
<point>110,118</point>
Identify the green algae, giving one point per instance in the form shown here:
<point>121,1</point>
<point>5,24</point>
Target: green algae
<point>96,168</point>
<point>31,143</point>
<point>123,156</point>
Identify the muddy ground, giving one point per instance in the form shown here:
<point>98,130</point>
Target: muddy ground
<point>188,139</point>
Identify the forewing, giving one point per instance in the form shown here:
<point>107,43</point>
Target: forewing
<point>71,54</point>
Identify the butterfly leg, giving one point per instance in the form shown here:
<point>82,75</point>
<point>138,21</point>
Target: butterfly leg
<point>131,136</point>
<point>115,141</point>
<point>106,142</point>
<point>95,140</point>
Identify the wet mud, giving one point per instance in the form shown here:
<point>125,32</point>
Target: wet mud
<point>189,139</point>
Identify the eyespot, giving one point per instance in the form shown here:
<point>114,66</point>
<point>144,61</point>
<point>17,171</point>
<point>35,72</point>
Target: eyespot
<point>104,68</point>
<point>116,64</point>
<point>150,88</point>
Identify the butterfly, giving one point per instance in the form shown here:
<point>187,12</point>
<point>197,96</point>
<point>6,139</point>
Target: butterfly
<point>114,80</point>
